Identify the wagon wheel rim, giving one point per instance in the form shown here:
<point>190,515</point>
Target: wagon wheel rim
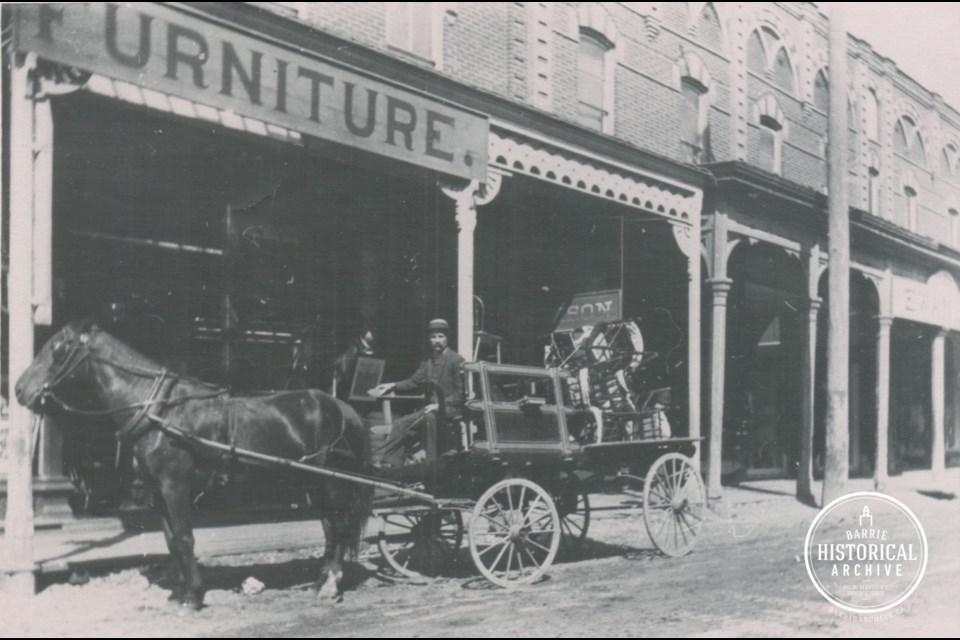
<point>420,544</point>
<point>674,502</point>
<point>573,506</point>
<point>514,533</point>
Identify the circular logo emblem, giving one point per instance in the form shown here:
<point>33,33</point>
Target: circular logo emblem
<point>866,552</point>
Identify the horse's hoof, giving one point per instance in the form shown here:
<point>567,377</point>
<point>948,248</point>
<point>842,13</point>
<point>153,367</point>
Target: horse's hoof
<point>176,598</point>
<point>329,593</point>
<point>192,604</point>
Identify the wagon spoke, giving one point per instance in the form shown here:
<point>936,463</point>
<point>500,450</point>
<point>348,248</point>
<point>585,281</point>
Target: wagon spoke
<point>510,499</point>
<point>545,516</point>
<point>530,555</point>
<point>680,527</point>
<point>537,544</point>
<point>494,545</point>
<point>496,523</point>
<point>509,559</point>
<point>523,572</point>
<point>531,510</point>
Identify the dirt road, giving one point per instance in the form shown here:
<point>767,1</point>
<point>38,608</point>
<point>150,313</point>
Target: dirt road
<point>746,578</point>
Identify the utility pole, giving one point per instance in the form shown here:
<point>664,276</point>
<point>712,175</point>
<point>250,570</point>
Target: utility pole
<point>838,339</point>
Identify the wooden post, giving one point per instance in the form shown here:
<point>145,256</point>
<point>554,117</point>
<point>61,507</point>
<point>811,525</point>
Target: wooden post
<point>838,339</point>
<point>883,402</point>
<point>937,396</point>
<point>16,563</point>
<point>466,200</point>
<point>809,376</point>
<point>693,331</point>
<point>718,355</point>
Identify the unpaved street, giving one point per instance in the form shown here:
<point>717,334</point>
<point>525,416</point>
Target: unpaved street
<point>746,578</point>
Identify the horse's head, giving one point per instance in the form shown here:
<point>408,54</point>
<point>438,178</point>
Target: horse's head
<point>62,359</point>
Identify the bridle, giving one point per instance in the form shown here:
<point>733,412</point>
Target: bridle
<point>81,353</point>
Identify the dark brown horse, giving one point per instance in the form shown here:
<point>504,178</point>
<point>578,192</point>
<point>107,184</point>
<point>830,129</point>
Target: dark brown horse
<point>301,425</point>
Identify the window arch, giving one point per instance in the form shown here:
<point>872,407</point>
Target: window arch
<point>950,160</point>
<point>908,142</point>
<point>709,30</point>
<point>767,56</point>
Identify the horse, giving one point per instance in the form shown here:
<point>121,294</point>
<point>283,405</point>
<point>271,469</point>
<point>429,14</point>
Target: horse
<point>306,425</point>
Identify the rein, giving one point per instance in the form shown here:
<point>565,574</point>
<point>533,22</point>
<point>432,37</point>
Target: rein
<point>128,431</point>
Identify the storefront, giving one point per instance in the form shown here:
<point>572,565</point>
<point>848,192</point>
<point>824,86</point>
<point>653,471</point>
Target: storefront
<point>238,206</point>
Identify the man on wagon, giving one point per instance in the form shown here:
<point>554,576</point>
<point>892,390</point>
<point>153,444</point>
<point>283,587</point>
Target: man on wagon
<point>442,368</point>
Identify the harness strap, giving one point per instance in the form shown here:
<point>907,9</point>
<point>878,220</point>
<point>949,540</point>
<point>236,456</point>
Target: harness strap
<point>127,431</point>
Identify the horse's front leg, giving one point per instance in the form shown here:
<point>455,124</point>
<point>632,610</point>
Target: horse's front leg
<point>178,530</point>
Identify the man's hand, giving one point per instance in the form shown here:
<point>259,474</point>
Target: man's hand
<point>381,389</point>
<point>431,407</point>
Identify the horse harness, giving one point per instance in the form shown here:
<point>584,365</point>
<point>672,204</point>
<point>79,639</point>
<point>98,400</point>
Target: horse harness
<point>144,419</point>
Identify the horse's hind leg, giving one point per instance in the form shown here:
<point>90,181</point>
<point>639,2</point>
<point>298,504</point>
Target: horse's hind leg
<point>178,530</point>
<point>333,551</point>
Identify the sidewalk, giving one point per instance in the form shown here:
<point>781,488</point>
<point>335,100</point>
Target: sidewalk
<point>103,544</point>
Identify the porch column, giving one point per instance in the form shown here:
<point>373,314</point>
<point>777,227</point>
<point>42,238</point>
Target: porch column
<point>466,200</point>
<point>883,402</point>
<point>720,287</point>
<point>16,561</point>
<point>937,396</point>
<point>807,384</point>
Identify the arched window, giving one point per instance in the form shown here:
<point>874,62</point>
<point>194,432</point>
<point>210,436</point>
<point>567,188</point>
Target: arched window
<point>693,120</point>
<point>949,159</point>
<point>907,141</point>
<point>871,115</point>
<point>767,153</point>
<point>910,194</point>
<point>756,56</point>
<point>695,84</point>
<point>873,185</point>
<point>592,80</point>
<point>596,67</point>
<point>767,54</point>
<point>821,92</point>
<point>417,28</point>
<point>783,71</point>
<point>709,31</point>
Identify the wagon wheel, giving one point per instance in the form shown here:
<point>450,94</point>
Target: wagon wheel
<point>515,532</point>
<point>673,504</point>
<point>573,506</point>
<point>420,543</point>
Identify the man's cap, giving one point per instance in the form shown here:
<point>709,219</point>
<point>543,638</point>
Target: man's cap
<point>439,324</point>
